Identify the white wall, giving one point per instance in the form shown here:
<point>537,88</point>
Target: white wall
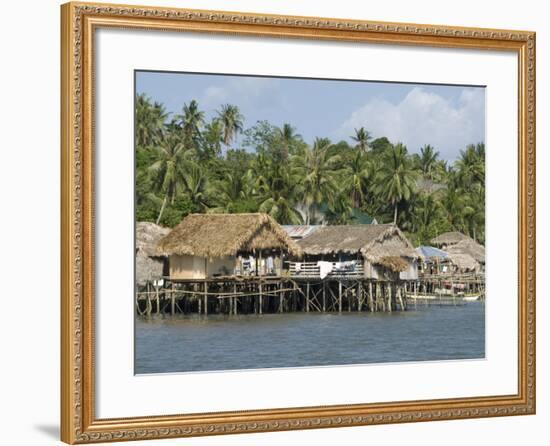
<point>29,181</point>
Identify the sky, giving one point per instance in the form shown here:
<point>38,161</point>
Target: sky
<point>447,117</point>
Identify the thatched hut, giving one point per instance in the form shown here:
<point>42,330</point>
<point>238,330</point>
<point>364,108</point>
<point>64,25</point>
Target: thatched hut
<point>384,250</point>
<point>150,265</point>
<point>449,239</point>
<point>210,245</point>
<point>468,255</point>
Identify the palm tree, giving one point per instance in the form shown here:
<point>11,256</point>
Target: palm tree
<point>428,160</point>
<point>288,136</point>
<point>191,120</point>
<point>167,170</point>
<point>149,121</point>
<point>340,211</point>
<point>358,171</point>
<point>317,169</point>
<point>231,121</point>
<point>362,137</point>
<point>211,139</point>
<point>471,165</point>
<point>396,179</point>
<point>195,184</point>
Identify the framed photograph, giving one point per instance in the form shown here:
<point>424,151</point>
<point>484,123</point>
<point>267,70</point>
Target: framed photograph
<point>275,223</point>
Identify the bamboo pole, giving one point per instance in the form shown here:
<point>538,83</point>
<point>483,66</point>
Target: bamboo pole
<point>307,296</point>
<point>339,296</point>
<point>172,301</point>
<point>324,297</point>
<point>206,298</point>
<point>371,301</point>
<point>158,298</point>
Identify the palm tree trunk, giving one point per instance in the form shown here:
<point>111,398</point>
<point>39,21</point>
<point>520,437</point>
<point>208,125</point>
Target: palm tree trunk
<point>162,207</point>
<point>395,214</point>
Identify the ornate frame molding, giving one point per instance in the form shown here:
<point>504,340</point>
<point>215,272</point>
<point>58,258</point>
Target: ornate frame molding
<point>78,424</point>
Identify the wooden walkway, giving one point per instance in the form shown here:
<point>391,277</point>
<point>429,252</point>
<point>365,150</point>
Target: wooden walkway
<point>278,294</point>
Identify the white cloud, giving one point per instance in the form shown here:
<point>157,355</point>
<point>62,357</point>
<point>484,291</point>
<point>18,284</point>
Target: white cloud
<point>242,90</point>
<point>424,117</point>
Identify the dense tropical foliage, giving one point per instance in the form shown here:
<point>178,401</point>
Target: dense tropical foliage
<point>186,163</point>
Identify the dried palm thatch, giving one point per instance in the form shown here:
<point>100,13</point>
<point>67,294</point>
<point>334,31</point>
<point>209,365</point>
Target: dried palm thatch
<point>469,247</point>
<point>218,235</point>
<point>147,237</point>
<point>464,261</point>
<point>449,238</point>
<point>396,264</point>
<point>149,264</point>
<point>384,245</point>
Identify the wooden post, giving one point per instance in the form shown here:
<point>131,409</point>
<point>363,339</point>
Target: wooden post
<point>307,296</point>
<point>400,295</point>
<point>339,296</point>
<point>324,297</point>
<point>149,305</point>
<point>231,304</point>
<point>350,300</point>
<point>371,301</point>
<point>388,291</point>
<point>158,298</point>
<point>172,301</point>
<point>206,298</point>
<point>260,296</point>
<point>281,297</point>
<point>235,298</point>
<point>359,295</point>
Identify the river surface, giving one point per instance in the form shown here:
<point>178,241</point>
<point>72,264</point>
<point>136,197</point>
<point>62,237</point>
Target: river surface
<point>220,342</point>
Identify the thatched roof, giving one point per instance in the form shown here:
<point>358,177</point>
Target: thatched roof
<point>218,235</point>
<point>147,237</point>
<point>380,244</point>
<point>464,261</point>
<point>148,268</point>
<point>148,264</point>
<point>449,238</point>
<point>468,247</point>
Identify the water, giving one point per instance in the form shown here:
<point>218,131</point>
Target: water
<point>220,342</point>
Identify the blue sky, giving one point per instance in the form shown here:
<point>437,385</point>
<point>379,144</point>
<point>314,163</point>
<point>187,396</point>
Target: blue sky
<point>448,117</point>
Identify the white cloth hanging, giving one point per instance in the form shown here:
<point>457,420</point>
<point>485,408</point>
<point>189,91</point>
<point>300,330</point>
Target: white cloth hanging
<point>325,268</point>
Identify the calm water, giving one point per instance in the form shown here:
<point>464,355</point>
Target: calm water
<point>192,343</point>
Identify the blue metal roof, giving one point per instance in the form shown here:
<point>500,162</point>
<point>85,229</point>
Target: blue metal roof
<point>429,252</point>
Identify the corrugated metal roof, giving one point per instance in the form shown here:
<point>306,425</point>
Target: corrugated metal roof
<point>429,252</point>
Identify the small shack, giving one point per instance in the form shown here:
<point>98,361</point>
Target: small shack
<point>433,260</point>
<point>213,245</point>
<point>366,251</point>
<point>468,255</point>
<point>150,265</point>
<point>448,239</point>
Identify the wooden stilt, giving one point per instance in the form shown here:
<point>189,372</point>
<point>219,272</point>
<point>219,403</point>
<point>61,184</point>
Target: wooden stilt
<point>307,296</point>
<point>235,298</point>
<point>172,301</point>
<point>339,297</point>
<point>157,295</point>
<point>371,303</point>
<point>260,297</point>
<point>359,295</point>
<point>206,298</point>
<point>324,297</point>
<point>400,296</point>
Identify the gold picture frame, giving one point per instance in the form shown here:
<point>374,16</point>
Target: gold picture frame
<point>78,24</point>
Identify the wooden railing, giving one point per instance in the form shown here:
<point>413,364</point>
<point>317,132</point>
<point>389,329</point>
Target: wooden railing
<point>311,270</point>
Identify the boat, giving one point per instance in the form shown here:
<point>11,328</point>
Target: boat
<point>471,297</point>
